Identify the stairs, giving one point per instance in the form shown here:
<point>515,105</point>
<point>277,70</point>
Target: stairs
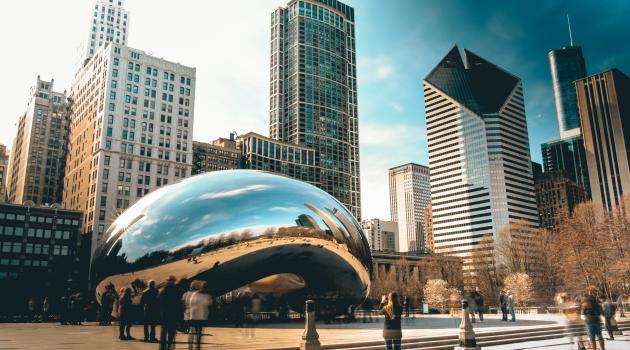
<point>484,339</point>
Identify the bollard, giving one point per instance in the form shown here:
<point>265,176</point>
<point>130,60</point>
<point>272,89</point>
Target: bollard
<point>467,339</point>
<point>310,338</point>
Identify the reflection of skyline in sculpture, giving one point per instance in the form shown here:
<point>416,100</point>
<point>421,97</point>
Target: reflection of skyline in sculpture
<point>240,227</point>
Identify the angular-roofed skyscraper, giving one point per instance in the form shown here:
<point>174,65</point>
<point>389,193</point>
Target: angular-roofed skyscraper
<point>480,169</point>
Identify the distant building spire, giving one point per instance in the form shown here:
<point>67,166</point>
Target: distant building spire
<point>570,34</point>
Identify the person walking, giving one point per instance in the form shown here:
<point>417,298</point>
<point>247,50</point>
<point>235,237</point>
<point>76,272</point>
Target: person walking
<point>609,310</point>
<point>392,332</point>
<point>406,306</point>
<point>511,303</point>
<point>503,305</point>
<point>592,313</point>
<point>125,315</point>
<point>196,312</point>
<point>479,303</point>
<point>149,309</point>
<point>169,302</point>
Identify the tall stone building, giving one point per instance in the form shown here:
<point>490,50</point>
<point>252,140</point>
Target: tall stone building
<point>556,196</point>
<point>409,195</point>
<point>4,164</point>
<point>429,240</point>
<point>481,176</point>
<point>109,23</point>
<point>313,87</point>
<point>604,105</point>
<point>221,154</point>
<point>132,125</point>
<point>38,155</point>
<point>381,235</point>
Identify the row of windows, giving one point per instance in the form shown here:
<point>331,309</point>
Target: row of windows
<point>33,232</point>
<point>39,219</point>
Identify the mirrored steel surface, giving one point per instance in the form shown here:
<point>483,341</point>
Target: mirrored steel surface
<point>240,228</point>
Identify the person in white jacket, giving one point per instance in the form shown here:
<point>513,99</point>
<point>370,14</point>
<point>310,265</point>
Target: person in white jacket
<point>196,312</point>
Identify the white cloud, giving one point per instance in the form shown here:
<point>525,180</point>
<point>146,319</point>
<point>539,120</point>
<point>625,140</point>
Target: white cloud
<point>234,192</point>
<point>374,68</point>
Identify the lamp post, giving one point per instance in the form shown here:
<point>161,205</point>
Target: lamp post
<point>467,339</point>
<point>310,338</point>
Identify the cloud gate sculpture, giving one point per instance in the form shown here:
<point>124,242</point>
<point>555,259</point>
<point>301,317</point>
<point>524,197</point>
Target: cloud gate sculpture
<point>240,229</point>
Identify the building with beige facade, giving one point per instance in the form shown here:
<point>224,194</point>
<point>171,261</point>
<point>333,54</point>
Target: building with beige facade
<point>131,133</point>
<point>38,154</point>
<point>409,195</point>
<point>4,164</point>
<point>381,235</point>
<point>604,106</point>
<point>221,154</point>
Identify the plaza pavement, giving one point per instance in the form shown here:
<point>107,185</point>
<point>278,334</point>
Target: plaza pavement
<point>46,336</point>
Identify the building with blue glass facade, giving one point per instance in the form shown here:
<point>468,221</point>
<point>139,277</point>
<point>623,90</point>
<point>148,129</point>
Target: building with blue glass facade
<point>567,66</point>
<point>567,155</point>
<point>313,90</point>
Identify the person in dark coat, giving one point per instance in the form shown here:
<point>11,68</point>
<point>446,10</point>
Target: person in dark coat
<point>125,311</point>
<point>592,313</point>
<point>392,311</point>
<point>503,304</point>
<point>150,314</point>
<point>170,304</point>
<point>479,303</point>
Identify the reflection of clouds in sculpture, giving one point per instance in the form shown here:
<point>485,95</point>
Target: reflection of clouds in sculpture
<point>240,226</point>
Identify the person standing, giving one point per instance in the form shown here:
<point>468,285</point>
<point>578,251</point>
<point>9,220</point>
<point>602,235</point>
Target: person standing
<point>149,308</point>
<point>609,311</point>
<point>620,306</point>
<point>392,332</point>
<point>503,305</point>
<point>31,309</point>
<point>169,302</point>
<point>406,306</point>
<point>45,309</point>
<point>591,313</point>
<point>511,303</point>
<point>196,311</point>
<point>472,305</point>
<point>125,315</point>
<point>479,303</point>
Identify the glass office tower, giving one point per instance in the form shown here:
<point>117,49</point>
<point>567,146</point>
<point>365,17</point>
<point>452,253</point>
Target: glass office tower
<point>313,90</point>
<point>567,65</point>
<point>567,155</point>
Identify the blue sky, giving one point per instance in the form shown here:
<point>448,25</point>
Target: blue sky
<point>398,43</point>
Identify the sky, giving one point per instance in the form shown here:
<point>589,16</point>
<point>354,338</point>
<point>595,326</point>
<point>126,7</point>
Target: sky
<point>398,43</point>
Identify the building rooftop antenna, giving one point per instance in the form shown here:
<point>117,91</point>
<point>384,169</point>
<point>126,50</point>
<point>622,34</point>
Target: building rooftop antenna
<point>570,34</point>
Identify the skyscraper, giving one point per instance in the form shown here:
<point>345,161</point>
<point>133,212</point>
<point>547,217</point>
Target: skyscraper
<point>313,90</point>
<point>409,196</point>
<point>38,155</point>
<point>132,124</point>
<point>604,105</point>
<point>567,155</point>
<point>567,65</point>
<point>4,163</point>
<point>481,178</point>
<point>556,194</point>
<point>109,23</point>
<point>381,235</point>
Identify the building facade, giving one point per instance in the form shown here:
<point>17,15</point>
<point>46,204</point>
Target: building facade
<point>263,153</point>
<point>132,124</point>
<point>221,154</point>
<point>604,106</point>
<point>567,155</point>
<point>313,86</point>
<point>481,177</point>
<point>4,164</point>
<point>556,195</point>
<point>567,65</point>
<point>109,23</point>
<point>39,256</point>
<point>429,240</point>
<point>409,196</point>
<point>381,235</point>
<point>38,155</point>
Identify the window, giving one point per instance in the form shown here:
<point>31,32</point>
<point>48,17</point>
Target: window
<point>114,84</point>
<point>115,73</point>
